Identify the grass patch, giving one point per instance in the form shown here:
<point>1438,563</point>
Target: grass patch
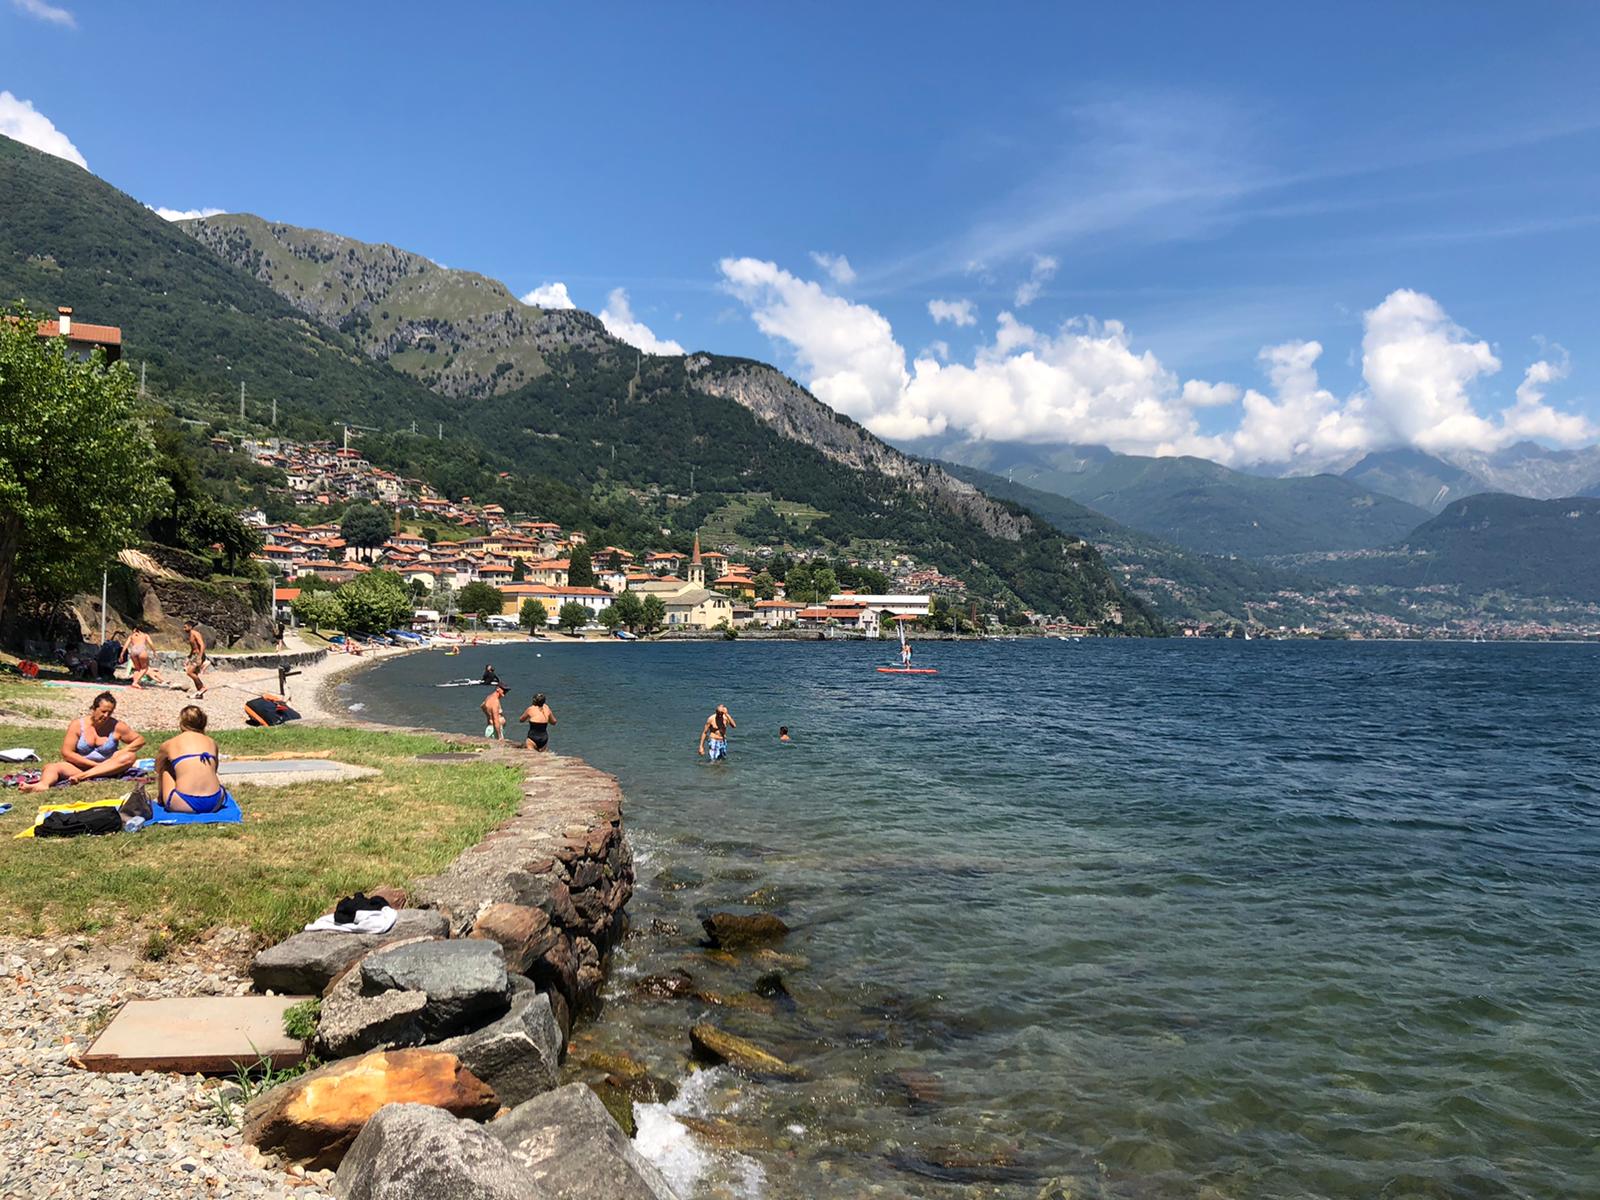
<point>299,849</point>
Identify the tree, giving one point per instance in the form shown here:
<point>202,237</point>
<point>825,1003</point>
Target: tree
<point>318,610</point>
<point>614,563</point>
<point>418,589</point>
<point>610,617</point>
<point>766,586</point>
<point>824,583</point>
<point>374,602</point>
<point>443,598</point>
<point>628,608</point>
<point>481,598</point>
<point>365,526</point>
<point>653,613</point>
<point>75,478</point>
<point>571,616</point>
<point>533,615</point>
<point>314,583</point>
<point>580,567</point>
<point>519,570</point>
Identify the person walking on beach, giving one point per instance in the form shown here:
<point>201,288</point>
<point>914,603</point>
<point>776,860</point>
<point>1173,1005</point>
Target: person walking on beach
<point>138,652</point>
<point>496,728</point>
<point>196,662</point>
<point>714,733</point>
<point>539,719</point>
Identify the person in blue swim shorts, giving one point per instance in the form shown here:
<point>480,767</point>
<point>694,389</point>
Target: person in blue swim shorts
<point>714,734</point>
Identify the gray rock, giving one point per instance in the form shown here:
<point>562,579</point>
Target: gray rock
<point>353,1022</point>
<point>519,1055</point>
<point>575,1151</point>
<point>415,1152</point>
<point>463,980</point>
<point>303,965</point>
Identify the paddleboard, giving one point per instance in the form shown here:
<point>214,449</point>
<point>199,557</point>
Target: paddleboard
<point>462,683</point>
<point>908,670</point>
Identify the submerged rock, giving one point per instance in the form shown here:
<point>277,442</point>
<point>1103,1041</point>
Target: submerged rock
<point>314,1118</point>
<point>734,931</point>
<point>771,985</point>
<point>669,986</point>
<point>413,1152</point>
<point>575,1150</point>
<point>719,1046</point>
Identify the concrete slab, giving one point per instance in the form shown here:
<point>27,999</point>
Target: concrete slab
<point>284,772</point>
<point>449,758</point>
<point>205,1035</point>
<point>269,766</point>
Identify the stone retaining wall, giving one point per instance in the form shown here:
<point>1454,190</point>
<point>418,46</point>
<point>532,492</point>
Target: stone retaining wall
<point>174,660</point>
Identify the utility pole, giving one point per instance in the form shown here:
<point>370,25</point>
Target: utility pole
<point>413,429</point>
<point>274,412</point>
<point>142,366</point>
<point>441,431</point>
<point>241,399</point>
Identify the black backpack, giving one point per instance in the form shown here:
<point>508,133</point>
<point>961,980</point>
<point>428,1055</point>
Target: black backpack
<point>71,824</point>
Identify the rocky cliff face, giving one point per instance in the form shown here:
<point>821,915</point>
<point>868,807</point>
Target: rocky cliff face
<point>786,407</point>
<point>461,333</point>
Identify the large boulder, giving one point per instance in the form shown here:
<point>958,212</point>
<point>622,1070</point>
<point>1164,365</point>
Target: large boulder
<point>523,932</point>
<point>734,931</point>
<point>575,1151</point>
<point>352,1022</point>
<point>304,964</point>
<point>719,1046</point>
<point>519,1055</point>
<point>314,1118</point>
<point>464,981</point>
<point>412,1152</point>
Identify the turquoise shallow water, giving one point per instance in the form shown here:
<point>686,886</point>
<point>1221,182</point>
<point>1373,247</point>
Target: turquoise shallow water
<point>1121,919</point>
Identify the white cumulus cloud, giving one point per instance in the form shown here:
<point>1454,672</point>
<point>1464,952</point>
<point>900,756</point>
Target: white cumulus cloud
<point>20,120</point>
<point>617,316</point>
<point>550,295</point>
<point>1084,381</point>
<point>1044,270</point>
<point>957,312</point>
<point>836,265</point>
<point>52,13</point>
<point>183,214</point>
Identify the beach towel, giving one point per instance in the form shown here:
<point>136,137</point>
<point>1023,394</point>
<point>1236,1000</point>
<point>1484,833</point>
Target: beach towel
<point>228,814</point>
<point>378,920</point>
<point>79,806</point>
<point>18,754</point>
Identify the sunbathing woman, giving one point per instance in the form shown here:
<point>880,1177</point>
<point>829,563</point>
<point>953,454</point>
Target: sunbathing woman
<point>95,747</point>
<point>186,767</point>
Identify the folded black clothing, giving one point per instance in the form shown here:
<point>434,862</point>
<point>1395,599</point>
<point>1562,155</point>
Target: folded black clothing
<point>345,911</point>
<point>75,824</point>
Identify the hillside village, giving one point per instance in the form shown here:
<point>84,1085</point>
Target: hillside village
<point>526,559</point>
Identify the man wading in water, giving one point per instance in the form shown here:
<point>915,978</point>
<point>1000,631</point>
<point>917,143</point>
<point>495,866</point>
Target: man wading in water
<point>496,728</point>
<point>714,736</point>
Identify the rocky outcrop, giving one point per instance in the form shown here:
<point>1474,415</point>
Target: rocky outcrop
<point>573,1150</point>
<point>781,403</point>
<point>306,963</point>
<point>413,1152</point>
<point>735,931</point>
<point>313,1119</point>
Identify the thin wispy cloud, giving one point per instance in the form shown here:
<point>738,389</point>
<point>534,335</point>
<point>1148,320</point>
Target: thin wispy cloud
<point>184,214</point>
<point>51,13</point>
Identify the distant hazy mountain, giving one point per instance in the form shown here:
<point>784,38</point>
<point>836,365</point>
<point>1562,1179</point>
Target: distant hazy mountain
<point>1529,469</point>
<point>1198,504</point>
<point>1487,543</point>
<point>1416,478</point>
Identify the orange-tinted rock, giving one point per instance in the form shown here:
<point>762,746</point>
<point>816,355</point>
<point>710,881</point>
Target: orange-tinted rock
<point>313,1119</point>
<point>523,932</point>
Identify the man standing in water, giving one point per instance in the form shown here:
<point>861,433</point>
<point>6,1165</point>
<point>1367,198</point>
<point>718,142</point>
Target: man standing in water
<point>714,734</point>
<point>197,658</point>
<point>496,728</point>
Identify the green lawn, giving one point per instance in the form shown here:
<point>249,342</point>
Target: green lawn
<point>298,850</point>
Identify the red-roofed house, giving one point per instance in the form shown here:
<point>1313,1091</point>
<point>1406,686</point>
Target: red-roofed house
<point>83,339</point>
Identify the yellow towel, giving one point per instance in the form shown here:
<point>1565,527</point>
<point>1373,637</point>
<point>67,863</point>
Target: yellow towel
<point>75,806</point>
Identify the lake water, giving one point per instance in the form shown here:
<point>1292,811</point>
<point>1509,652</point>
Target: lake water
<point>1107,918</point>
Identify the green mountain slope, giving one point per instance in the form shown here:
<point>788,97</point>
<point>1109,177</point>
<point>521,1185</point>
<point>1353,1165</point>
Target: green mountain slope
<point>1488,543</point>
<point>1417,478</point>
<point>1201,505</point>
<point>594,436</point>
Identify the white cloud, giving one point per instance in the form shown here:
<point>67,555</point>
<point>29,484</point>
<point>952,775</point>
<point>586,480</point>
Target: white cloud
<point>1044,269</point>
<point>550,295</point>
<point>836,265</point>
<point>617,316</point>
<point>184,214</point>
<point>1085,382</point>
<point>46,12</point>
<point>957,312</point>
<point>20,120</point>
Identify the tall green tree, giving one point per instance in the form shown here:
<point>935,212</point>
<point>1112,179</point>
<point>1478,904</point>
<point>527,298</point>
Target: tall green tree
<point>365,527</point>
<point>766,586</point>
<point>571,616</point>
<point>533,615</point>
<point>610,617</point>
<point>615,561</point>
<point>374,602</point>
<point>629,609</point>
<point>653,613</point>
<point>76,483</point>
<point>318,610</point>
<point>580,567</point>
<point>482,598</point>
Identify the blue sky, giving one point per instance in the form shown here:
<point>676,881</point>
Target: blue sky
<point>1116,211</point>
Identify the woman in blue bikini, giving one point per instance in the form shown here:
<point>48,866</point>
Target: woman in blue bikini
<point>96,747</point>
<point>186,767</point>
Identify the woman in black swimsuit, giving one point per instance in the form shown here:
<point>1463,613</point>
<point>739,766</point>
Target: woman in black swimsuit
<point>539,719</point>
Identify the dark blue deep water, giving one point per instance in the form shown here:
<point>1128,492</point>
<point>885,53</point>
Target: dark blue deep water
<point>1109,918</point>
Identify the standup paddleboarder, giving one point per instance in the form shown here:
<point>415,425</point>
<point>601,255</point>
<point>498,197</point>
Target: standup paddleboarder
<point>489,676</point>
<point>714,734</point>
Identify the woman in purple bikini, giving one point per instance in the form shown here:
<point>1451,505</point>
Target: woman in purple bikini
<point>97,746</point>
<point>186,767</point>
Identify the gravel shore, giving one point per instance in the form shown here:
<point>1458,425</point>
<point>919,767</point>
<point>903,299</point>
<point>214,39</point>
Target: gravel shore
<point>69,1132</point>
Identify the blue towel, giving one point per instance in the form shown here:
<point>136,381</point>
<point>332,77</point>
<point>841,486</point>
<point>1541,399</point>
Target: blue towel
<point>228,814</point>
